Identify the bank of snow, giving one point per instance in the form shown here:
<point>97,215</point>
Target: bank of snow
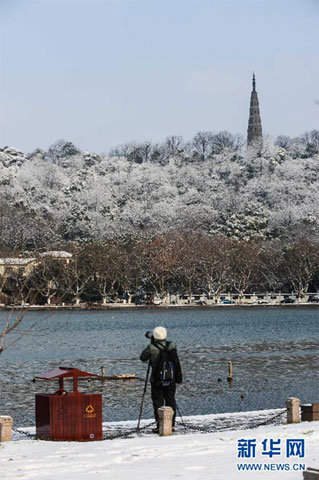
<point>194,456</point>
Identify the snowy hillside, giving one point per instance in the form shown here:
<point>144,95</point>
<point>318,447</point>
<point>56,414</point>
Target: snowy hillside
<point>63,194</point>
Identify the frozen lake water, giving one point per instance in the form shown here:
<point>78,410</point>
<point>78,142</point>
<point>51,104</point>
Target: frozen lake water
<point>274,351</point>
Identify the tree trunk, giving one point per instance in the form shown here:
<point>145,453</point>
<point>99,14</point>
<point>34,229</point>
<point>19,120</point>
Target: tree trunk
<point>190,291</point>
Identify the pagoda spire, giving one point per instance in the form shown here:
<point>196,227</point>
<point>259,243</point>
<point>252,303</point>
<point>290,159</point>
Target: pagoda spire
<point>254,82</point>
<point>254,132</point>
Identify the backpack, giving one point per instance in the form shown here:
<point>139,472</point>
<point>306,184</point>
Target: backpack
<point>167,370</point>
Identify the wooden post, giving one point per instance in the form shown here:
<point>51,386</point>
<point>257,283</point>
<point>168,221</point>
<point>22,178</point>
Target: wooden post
<point>61,386</point>
<point>311,474</point>
<point>310,412</point>
<point>230,371</point>
<point>165,420</point>
<point>75,384</point>
<point>293,404</point>
<point>6,429</point>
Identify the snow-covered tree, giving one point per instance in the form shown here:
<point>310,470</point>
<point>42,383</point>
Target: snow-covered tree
<point>209,185</point>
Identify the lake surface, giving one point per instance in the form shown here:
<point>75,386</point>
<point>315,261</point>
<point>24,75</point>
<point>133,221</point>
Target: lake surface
<point>274,351</point>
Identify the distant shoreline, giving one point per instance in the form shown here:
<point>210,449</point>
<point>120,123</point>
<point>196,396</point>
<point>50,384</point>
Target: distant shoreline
<point>112,306</point>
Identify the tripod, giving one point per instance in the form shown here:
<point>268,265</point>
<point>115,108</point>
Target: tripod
<point>143,396</point>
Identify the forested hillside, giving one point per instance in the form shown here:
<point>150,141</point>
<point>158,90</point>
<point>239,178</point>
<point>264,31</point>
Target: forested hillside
<point>212,184</point>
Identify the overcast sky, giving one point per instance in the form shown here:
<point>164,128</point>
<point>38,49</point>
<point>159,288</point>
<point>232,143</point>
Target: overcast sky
<point>100,73</point>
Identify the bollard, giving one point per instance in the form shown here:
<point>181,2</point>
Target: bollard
<point>6,429</point>
<point>165,415</point>
<point>311,474</point>
<point>293,415</point>
<point>230,371</point>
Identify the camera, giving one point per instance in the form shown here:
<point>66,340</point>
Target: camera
<point>149,335</point>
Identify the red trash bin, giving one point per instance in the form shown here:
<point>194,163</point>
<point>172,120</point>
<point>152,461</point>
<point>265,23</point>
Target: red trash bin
<point>68,415</point>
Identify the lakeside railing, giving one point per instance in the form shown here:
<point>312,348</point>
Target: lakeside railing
<point>196,299</point>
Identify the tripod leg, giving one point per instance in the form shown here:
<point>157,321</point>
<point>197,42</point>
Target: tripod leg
<point>143,396</point>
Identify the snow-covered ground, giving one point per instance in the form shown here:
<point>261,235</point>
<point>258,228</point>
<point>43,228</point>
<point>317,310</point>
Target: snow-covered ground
<point>193,456</point>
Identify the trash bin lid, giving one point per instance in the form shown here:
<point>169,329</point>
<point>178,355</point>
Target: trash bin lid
<point>64,372</point>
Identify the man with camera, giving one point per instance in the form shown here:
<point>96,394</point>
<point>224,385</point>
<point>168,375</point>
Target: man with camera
<point>166,370</point>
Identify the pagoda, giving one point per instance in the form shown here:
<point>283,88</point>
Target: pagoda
<point>254,132</point>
